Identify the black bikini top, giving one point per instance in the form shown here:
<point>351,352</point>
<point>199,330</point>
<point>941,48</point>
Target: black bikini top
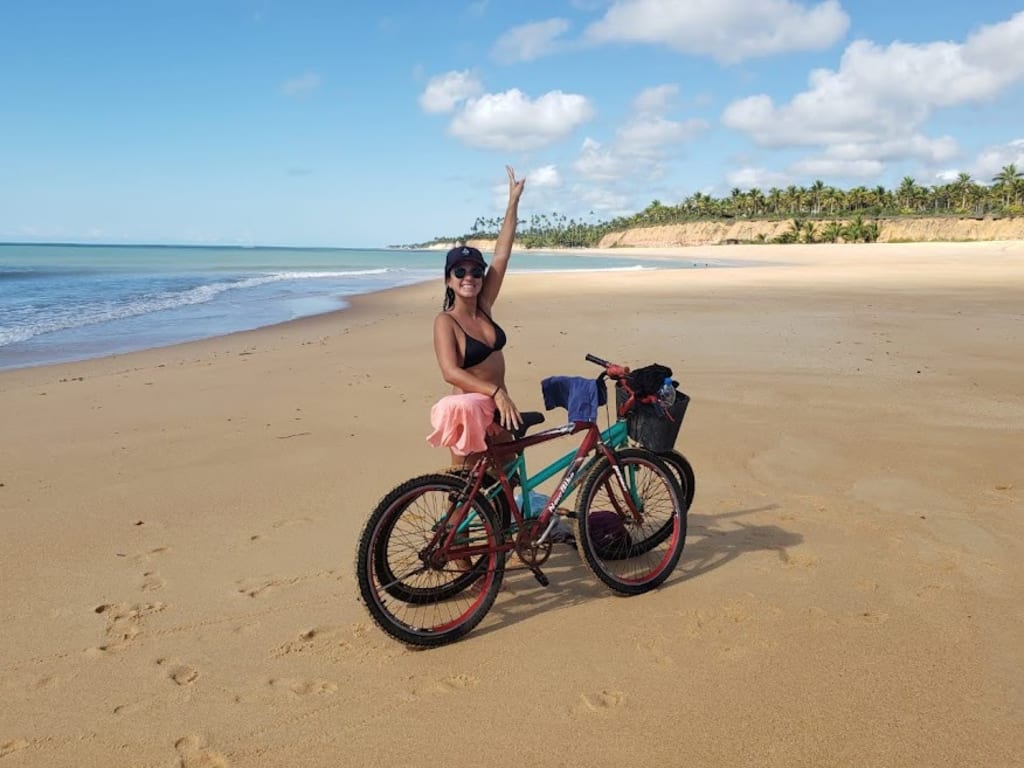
<point>476,350</point>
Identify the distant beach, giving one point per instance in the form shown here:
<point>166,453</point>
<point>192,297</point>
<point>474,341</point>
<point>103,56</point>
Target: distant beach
<point>61,303</point>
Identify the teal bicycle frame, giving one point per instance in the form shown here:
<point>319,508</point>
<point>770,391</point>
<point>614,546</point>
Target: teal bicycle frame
<point>614,436</point>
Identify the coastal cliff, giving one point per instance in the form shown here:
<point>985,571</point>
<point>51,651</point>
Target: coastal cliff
<point>900,230</point>
<point>944,229</point>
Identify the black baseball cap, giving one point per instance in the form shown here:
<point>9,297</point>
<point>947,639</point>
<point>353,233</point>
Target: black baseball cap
<point>460,254</point>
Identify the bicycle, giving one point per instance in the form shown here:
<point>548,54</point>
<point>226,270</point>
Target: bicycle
<point>620,434</point>
<point>431,557</point>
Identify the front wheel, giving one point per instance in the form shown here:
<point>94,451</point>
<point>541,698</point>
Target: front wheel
<point>682,473</point>
<point>632,521</point>
<point>412,590</point>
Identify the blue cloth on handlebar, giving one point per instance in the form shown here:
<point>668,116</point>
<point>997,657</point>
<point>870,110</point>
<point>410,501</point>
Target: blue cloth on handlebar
<point>579,395</point>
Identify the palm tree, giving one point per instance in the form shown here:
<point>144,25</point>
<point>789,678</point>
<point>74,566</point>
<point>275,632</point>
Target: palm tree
<point>831,232</point>
<point>736,201</point>
<point>808,235</point>
<point>817,188</point>
<point>1008,180</point>
<point>756,201</point>
<point>854,231</point>
<point>964,187</point>
<point>907,192</point>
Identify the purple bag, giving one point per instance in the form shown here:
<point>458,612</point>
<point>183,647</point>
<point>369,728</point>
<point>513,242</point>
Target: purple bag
<point>609,535</point>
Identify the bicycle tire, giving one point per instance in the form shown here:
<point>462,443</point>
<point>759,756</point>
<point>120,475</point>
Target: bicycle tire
<point>635,561</point>
<point>641,544</point>
<point>412,601</point>
<point>393,583</point>
<point>683,471</point>
<point>499,502</point>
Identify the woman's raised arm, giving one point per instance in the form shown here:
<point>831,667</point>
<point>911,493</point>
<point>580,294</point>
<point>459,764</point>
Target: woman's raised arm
<point>503,247</point>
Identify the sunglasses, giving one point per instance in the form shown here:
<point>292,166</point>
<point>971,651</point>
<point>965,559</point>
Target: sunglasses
<point>460,272</point>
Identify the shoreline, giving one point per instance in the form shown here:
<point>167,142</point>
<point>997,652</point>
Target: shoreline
<point>834,262</point>
<point>342,301</point>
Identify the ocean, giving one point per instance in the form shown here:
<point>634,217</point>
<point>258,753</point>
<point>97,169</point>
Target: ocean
<point>60,303</point>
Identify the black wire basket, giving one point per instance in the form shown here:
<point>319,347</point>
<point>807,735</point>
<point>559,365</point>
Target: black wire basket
<point>650,424</point>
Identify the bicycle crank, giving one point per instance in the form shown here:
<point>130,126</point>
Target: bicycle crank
<point>530,549</point>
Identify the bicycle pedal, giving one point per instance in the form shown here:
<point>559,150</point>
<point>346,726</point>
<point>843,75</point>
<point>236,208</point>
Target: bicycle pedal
<point>540,577</point>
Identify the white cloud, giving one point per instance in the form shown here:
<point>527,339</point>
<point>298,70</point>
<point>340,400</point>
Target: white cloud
<point>748,178</point>
<point>727,30</point>
<point>874,107</point>
<point>993,159</point>
<point>647,136</point>
<point>511,121</point>
<point>640,146</point>
<point>530,41</point>
<point>658,99</point>
<point>444,92</point>
<point>823,166</point>
<point>947,175</point>
<point>599,163</point>
<point>603,201</point>
<point>885,94</point>
<point>545,177</point>
<point>303,85</point>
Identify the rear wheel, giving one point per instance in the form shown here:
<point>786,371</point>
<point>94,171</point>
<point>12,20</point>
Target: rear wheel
<point>631,552</point>
<point>414,592</point>
<point>683,472</point>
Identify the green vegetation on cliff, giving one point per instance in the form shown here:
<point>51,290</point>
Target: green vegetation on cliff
<point>818,213</point>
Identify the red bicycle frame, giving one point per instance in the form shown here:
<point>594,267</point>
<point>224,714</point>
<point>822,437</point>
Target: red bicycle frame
<point>444,543</point>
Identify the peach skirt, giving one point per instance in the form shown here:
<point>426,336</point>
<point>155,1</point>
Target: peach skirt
<point>461,422</point>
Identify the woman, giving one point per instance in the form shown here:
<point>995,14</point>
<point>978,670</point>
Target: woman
<point>467,342</point>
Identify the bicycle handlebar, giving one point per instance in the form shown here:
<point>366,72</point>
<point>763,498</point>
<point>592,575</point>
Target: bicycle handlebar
<point>613,370</point>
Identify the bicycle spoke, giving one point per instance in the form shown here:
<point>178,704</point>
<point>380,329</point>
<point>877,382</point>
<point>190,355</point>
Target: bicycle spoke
<point>631,538</point>
<point>414,588</point>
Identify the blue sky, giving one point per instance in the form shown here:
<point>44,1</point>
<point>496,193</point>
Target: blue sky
<point>264,122</point>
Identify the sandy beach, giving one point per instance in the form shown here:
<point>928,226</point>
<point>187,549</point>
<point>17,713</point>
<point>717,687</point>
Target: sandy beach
<point>180,524</point>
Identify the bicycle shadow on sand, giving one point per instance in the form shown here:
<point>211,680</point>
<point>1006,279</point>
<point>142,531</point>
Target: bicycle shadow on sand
<point>716,540</point>
<point>712,541</point>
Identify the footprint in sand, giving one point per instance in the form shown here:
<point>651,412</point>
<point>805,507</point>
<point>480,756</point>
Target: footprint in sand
<point>44,682</point>
<point>124,623</point>
<point>656,649</point>
<point>288,522</point>
<point>873,617</point>
<point>601,701</point>
<point>449,684</point>
<point>151,581</point>
<point>303,687</point>
<point>181,674</point>
<point>315,639</point>
<point>145,557</point>
<point>193,753</point>
<point>798,560</point>
<point>128,709</point>
<point>256,586</point>
<point>12,746</point>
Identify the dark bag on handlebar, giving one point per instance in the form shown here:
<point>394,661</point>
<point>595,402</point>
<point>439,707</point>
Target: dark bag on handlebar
<point>648,380</point>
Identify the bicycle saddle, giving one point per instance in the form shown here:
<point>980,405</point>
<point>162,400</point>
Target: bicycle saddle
<point>530,419</point>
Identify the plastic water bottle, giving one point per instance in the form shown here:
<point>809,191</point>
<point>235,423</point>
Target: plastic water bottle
<point>667,393</point>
